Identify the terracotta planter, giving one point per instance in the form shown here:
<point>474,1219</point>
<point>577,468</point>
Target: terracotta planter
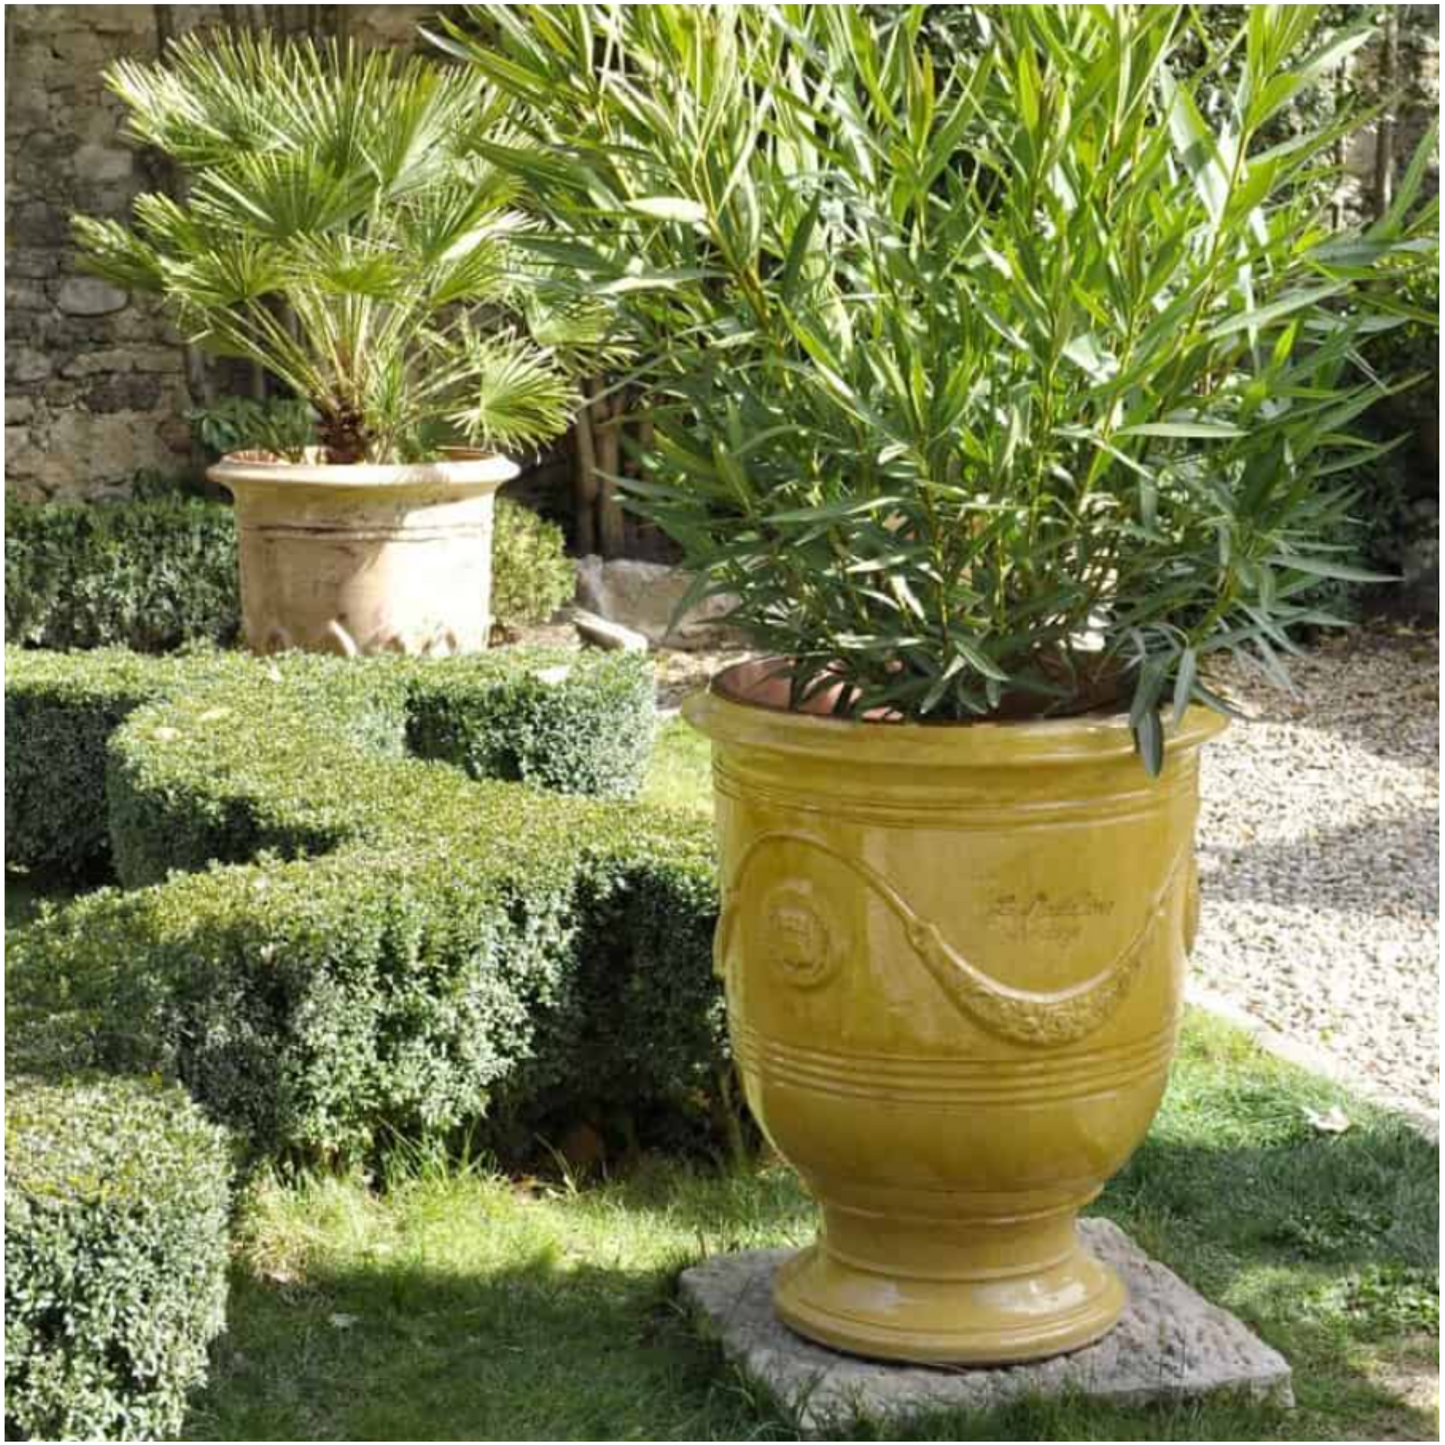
<point>954,960</point>
<point>362,559</point>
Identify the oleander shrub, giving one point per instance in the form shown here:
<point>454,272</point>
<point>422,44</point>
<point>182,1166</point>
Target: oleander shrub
<point>348,943</point>
<point>150,574</point>
<point>1395,514</point>
<point>159,572</point>
<point>532,575</point>
<point>117,1197</point>
<point>1409,475</point>
<point>1013,382</point>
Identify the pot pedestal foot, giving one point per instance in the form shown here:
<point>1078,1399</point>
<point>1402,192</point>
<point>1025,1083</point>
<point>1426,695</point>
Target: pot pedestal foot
<point>977,1315</point>
<point>1169,1345</point>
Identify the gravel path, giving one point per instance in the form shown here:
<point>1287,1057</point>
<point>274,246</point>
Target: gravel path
<point>1319,856</point>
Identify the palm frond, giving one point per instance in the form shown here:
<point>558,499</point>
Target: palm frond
<point>118,255</point>
<point>515,396</point>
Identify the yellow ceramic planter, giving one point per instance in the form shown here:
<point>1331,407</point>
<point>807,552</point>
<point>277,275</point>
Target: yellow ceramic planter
<point>954,960</point>
<point>365,558</point>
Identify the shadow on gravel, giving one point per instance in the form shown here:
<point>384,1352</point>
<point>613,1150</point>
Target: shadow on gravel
<point>1376,867</point>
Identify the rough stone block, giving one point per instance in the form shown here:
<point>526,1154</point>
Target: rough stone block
<point>25,296</point>
<point>158,358</point>
<point>28,261</point>
<point>83,453</point>
<point>124,20</point>
<point>98,363</point>
<point>90,296</point>
<point>611,636</point>
<point>95,164</point>
<point>80,48</point>
<point>645,596</point>
<point>35,224</point>
<point>27,105</point>
<point>1170,1344</point>
<point>124,393</point>
<point>24,365</point>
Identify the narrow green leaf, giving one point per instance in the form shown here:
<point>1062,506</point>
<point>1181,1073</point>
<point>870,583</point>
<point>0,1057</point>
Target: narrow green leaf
<point>1184,430</point>
<point>669,208</point>
<point>1323,567</point>
<point>1184,683</point>
<point>1149,742</point>
<point>978,661</point>
<point>1285,306</point>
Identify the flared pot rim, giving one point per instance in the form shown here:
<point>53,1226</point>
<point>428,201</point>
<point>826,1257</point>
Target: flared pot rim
<point>731,712</point>
<point>455,468</point>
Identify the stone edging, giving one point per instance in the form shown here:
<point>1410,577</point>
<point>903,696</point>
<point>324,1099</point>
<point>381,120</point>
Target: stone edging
<point>1310,1057</point>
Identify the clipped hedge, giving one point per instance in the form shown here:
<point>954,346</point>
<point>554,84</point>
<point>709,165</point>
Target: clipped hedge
<point>568,728</point>
<point>117,1203</point>
<point>360,942</point>
<point>570,722</point>
<point>160,572</point>
<point>152,574</point>
<point>59,714</point>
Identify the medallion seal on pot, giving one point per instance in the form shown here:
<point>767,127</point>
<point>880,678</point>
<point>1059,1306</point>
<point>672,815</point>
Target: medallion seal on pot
<point>803,947</point>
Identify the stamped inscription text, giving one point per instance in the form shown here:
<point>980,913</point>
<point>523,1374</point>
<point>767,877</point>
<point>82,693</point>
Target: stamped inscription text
<point>1026,917</point>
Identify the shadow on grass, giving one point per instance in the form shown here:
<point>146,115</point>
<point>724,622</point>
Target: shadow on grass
<point>558,1319</point>
<point>551,1349</point>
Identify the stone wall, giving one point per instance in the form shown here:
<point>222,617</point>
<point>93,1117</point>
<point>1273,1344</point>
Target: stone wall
<point>96,382</point>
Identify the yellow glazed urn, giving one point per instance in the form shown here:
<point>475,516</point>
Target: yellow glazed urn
<point>365,558</point>
<point>954,960</point>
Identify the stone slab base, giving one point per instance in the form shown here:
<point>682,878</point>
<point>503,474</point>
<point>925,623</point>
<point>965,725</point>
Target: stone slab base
<point>1170,1344</point>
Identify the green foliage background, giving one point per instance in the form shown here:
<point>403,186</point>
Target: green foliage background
<point>160,572</point>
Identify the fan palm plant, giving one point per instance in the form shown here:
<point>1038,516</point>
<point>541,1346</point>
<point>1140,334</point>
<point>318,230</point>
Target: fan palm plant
<point>341,229</point>
<point>1012,387</point>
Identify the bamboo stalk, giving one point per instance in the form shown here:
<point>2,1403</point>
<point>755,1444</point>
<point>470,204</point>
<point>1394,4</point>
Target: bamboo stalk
<point>611,521</point>
<point>584,486</point>
<point>636,468</point>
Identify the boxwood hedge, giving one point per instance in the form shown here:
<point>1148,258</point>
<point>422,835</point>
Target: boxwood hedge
<point>116,1194</point>
<point>59,714</point>
<point>570,722</point>
<point>344,941</point>
<point>158,572</point>
<point>151,574</point>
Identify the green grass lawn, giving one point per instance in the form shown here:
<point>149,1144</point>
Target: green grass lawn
<point>449,1301</point>
<point>680,775</point>
<point>455,1303</point>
